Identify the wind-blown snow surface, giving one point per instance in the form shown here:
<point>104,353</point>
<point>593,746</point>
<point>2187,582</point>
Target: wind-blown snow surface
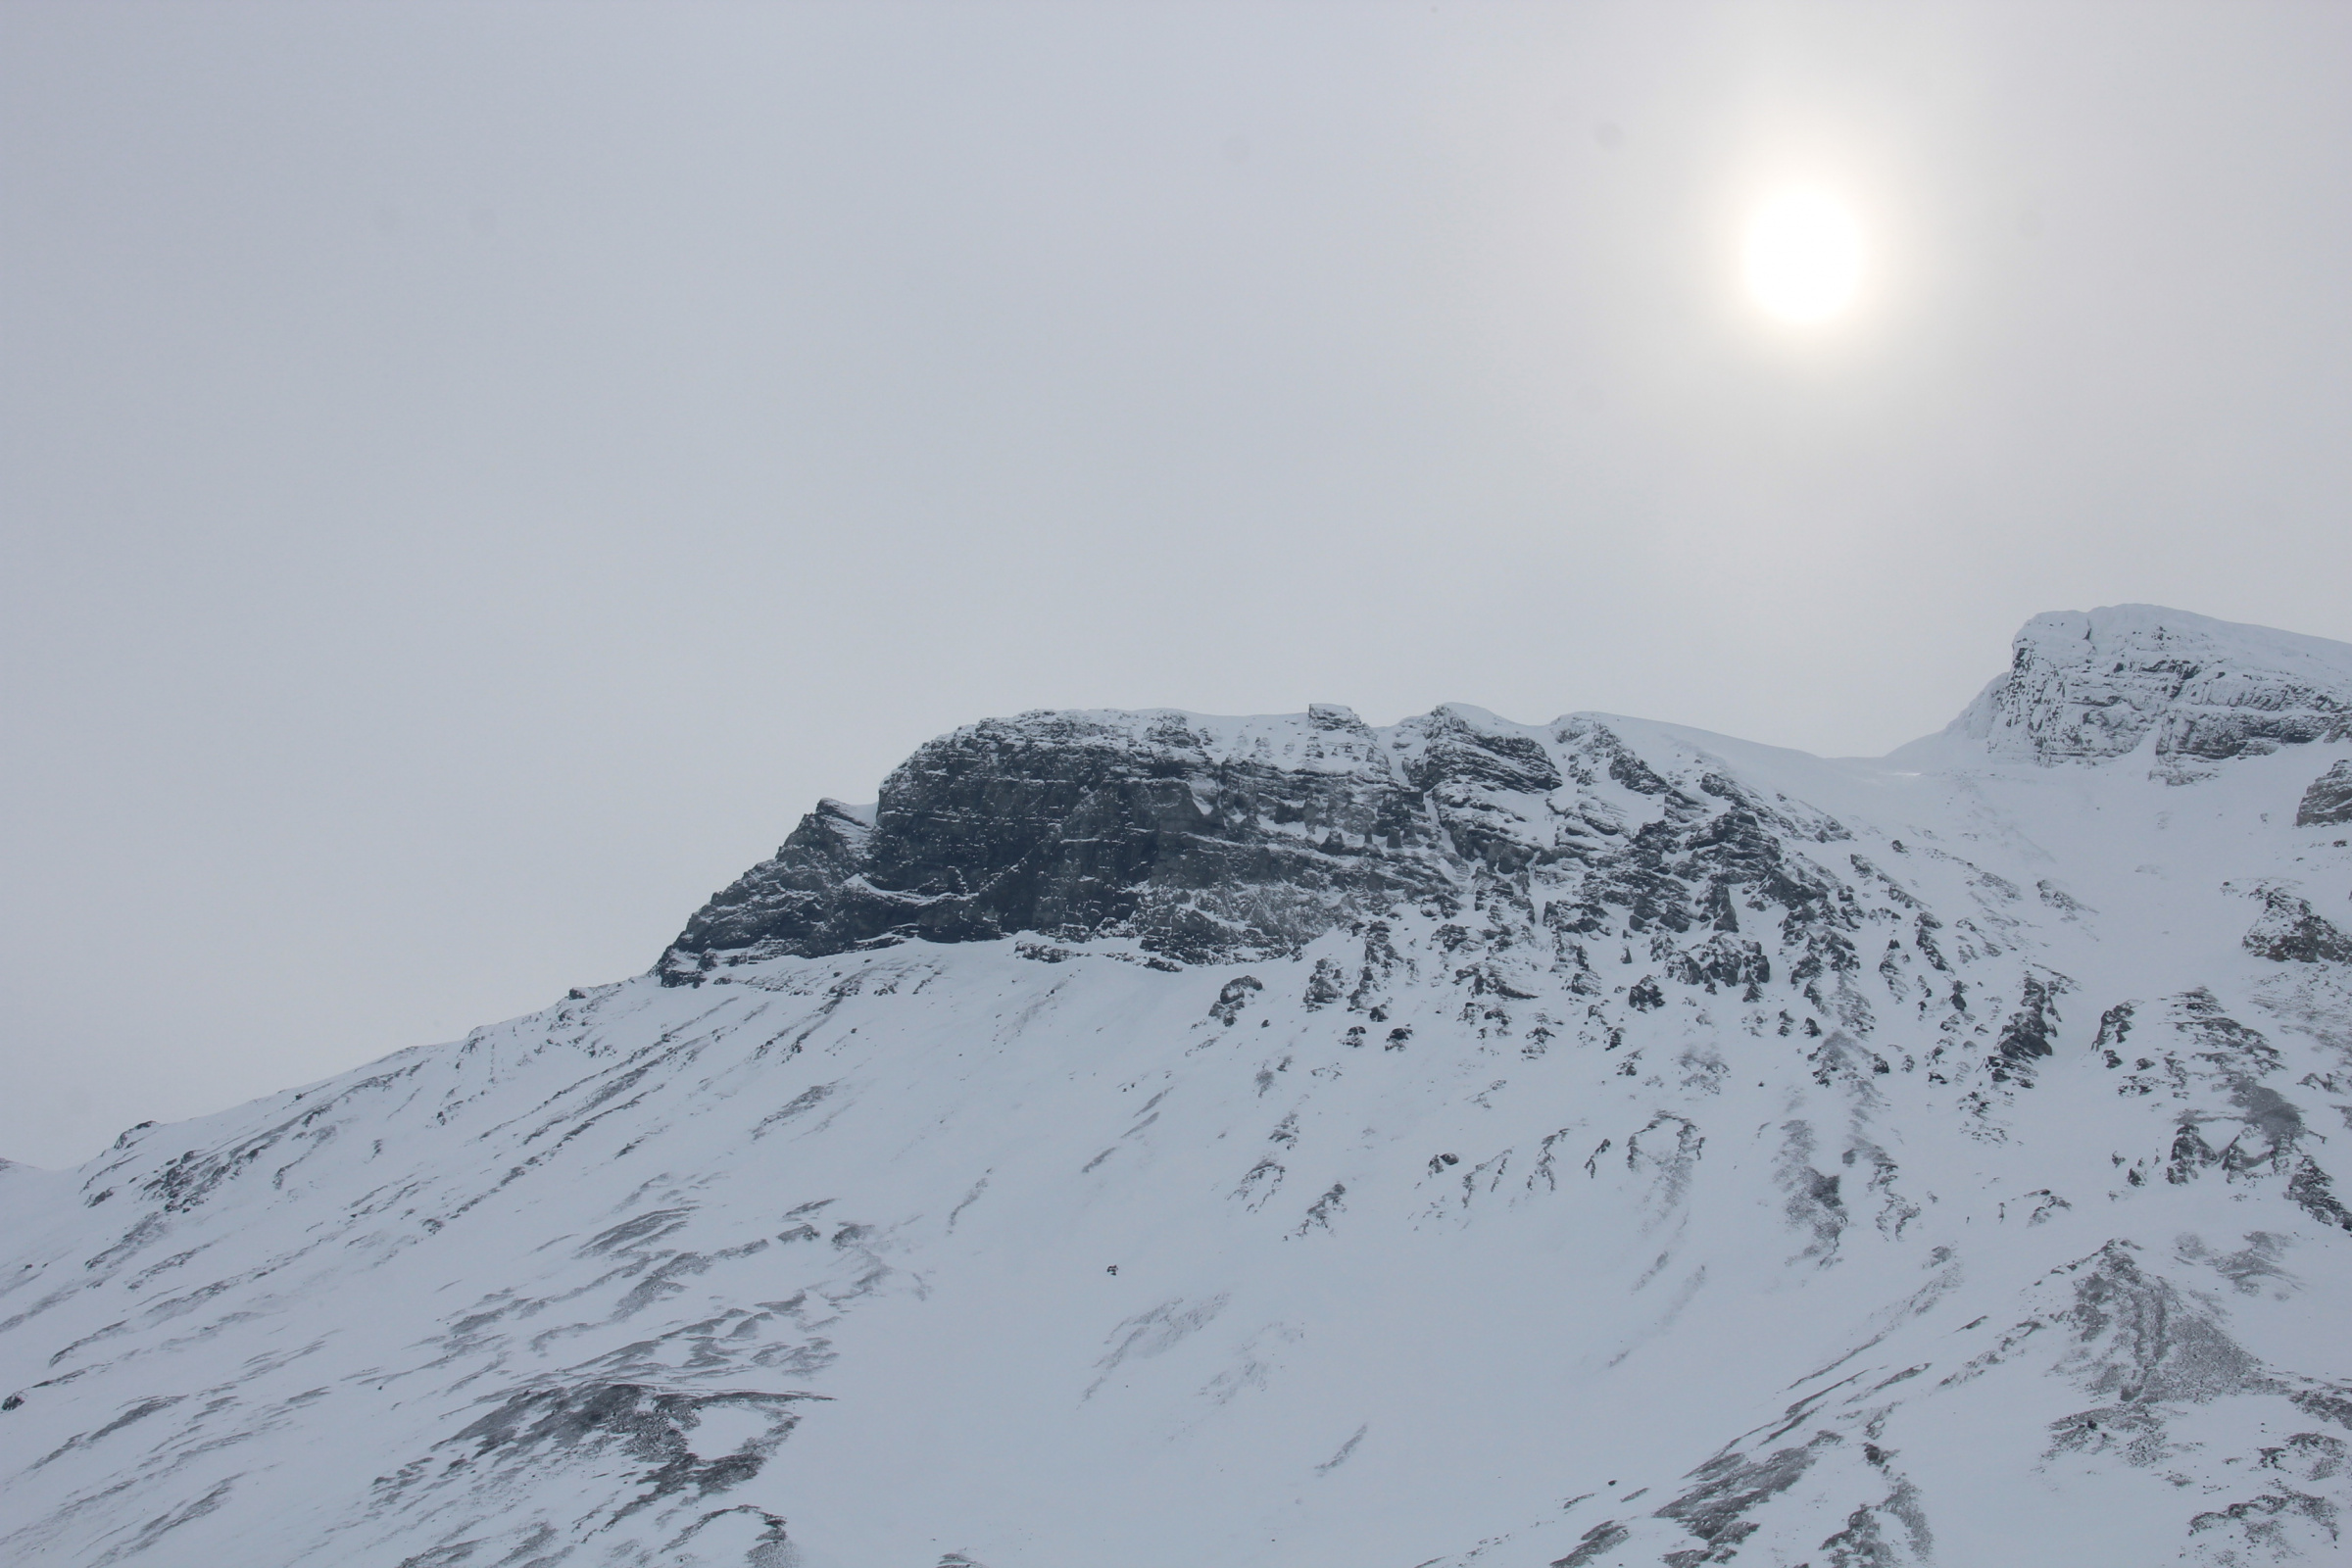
<point>1715,1154</point>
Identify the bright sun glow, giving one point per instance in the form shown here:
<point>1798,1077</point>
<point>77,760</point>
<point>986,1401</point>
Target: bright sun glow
<point>1804,256</point>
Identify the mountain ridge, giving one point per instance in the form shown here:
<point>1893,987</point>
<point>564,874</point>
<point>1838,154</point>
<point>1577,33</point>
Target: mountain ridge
<point>1622,1145</point>
<point>1047,820</point>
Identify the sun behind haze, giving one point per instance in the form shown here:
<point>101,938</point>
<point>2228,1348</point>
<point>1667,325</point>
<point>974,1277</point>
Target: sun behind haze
<point>1802,256</point>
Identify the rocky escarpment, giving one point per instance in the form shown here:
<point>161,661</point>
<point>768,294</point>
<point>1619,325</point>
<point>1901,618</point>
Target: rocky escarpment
<point>1190,836</point>
<point>2088,684</point>
<point>1202,838</point>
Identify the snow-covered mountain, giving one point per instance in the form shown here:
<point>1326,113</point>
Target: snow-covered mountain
<point>1153,1140</point>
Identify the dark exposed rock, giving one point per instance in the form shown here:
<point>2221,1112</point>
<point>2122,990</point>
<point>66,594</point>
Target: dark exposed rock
<point>2025,1037</point>
<point>2235,1123</point>
<point>1234,997</point>
<point>2115,1027</point>
<point>2137,1339</point>
<point>1078,826</point>
<point>647,1431</point>
<point>1865,1543</point>
<point>2328,801</point>
<point>1732,1484</point>
<point>1596,1540</point>
<point>2291,932</point>
<point>1213,840</point>
<point>2311,1190</point>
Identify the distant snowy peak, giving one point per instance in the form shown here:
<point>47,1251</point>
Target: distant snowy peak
<point>2088,685</point>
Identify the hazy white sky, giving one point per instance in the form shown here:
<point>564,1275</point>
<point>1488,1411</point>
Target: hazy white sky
<point>471,474</point>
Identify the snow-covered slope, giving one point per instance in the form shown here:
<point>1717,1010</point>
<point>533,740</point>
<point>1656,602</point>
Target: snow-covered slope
<point>1156,1140</point>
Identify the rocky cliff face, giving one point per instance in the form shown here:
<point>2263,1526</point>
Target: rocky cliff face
<point>2086,685</point>
<point>1201,839</point>
<point>1153,1139</point>
<point>1190,836</point>
<point>2328,801</point>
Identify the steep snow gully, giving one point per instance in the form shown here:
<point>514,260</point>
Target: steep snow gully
<point>1154,1141</point>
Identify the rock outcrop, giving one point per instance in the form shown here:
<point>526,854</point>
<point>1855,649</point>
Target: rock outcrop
<point>2328,801</point>
<point>1192,836</point>
<point>2085,685</point>
<point>1203,839</point>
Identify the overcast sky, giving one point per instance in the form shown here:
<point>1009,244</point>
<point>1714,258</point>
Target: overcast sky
<point>471,475</point>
